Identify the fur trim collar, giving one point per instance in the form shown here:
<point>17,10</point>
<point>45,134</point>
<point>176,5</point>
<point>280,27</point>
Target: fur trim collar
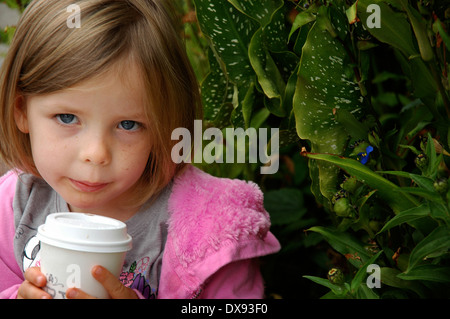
<point>208,213</point>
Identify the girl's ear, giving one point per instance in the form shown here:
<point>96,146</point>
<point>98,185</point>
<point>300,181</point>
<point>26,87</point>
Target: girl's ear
<point>20,114</point>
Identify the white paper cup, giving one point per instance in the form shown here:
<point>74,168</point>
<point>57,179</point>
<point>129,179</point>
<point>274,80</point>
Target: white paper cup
<point>72,243</point>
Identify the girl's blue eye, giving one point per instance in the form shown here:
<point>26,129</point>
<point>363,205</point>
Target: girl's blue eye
<point>129,125</point>
<point>66,118</point>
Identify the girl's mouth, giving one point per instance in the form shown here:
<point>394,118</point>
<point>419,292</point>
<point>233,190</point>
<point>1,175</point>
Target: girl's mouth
<point>88,186</point>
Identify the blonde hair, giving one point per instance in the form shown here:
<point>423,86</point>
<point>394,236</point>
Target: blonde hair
<point>46,56</point>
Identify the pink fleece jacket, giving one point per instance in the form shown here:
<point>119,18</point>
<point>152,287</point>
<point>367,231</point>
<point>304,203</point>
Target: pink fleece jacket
<point>217,229</point>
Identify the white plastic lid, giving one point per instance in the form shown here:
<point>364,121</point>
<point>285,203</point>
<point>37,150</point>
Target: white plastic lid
<point>85,232</point>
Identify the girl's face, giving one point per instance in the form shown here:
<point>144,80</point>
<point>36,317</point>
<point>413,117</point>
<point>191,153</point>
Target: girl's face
<point>90,142</point>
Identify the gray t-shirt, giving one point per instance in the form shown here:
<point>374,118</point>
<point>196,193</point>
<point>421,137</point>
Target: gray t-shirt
<point>35,199</point>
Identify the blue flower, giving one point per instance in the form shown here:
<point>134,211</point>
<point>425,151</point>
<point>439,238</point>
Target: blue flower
<point>364,157</point>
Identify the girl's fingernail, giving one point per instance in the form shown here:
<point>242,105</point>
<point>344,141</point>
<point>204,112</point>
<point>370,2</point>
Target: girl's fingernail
<point>98,271</point>
<point>72,293</point>
<point>40,281</point>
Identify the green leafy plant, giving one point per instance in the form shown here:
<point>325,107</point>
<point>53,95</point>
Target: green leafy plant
<point>16,4</point>
<point>7,33</point>
<point>360,89</point>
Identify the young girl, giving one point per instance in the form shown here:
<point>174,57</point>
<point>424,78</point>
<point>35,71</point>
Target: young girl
<point>86,119</point>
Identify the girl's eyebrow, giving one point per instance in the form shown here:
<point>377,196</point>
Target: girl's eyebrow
<point>136,116</point>
<point>63,108</point>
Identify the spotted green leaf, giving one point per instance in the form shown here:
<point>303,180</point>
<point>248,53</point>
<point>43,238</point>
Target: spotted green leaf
<point>230,32</point>
<point>261,10</point>
<point>217,94</point>
<point>325,82</point>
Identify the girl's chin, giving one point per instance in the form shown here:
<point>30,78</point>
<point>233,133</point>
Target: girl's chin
<point>87,205</point>
<point>98,206</point>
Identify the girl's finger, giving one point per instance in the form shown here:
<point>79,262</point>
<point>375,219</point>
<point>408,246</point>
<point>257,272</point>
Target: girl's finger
<point>75,293</point>
<point>29,291</point>
<point>35,277</point>
<point>115,288</point>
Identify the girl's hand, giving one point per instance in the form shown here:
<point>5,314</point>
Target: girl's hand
<point>31,288</point>
<point>112,285</point>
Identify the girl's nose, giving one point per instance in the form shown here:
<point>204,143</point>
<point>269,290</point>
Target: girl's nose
<point>96,150</point>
